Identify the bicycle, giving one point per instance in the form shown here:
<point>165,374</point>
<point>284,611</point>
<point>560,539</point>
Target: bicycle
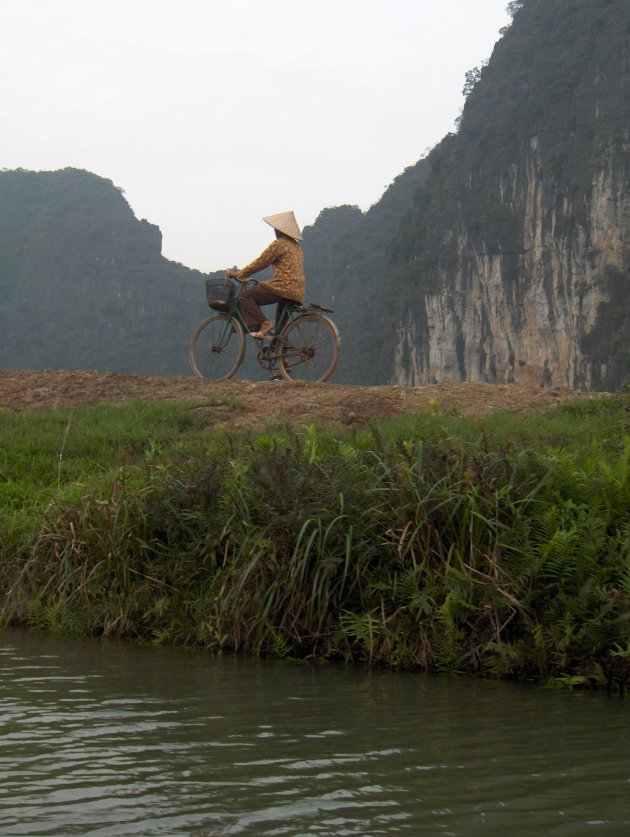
<point>305,347</point>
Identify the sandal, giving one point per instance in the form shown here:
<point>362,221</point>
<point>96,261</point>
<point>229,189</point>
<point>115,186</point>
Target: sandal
<point>262,335</point>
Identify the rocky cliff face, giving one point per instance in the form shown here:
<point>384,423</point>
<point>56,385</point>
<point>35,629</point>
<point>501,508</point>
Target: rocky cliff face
<point>83,284</point>
<point>345,259</point>
<point>514,266</point>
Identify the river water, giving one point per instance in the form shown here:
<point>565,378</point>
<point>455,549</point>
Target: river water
<point>101,738</point>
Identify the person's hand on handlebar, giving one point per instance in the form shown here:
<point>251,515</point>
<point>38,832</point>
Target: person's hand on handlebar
<point>233,274</point>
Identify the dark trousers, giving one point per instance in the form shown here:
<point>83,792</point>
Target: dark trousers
<point>252,298</point>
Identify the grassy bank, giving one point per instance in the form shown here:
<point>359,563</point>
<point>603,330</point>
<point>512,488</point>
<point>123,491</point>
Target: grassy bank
<point>499,547</point>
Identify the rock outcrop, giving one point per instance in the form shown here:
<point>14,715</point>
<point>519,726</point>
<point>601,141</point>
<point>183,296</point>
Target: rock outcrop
<point>345,257</point>
<point>83,284</point>
<point>514,265</point>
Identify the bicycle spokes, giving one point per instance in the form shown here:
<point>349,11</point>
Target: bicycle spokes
<point>217,348</point>
<point>309,348</point>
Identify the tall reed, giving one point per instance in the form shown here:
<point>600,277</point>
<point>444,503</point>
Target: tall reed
<point>441,544</point>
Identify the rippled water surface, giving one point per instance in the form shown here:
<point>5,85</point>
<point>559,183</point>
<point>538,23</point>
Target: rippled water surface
<point>110,739</point>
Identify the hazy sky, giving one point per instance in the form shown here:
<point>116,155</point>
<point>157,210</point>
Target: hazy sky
<point>212,113</point>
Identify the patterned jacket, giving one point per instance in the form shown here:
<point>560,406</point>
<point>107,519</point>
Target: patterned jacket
<point>286,256</point>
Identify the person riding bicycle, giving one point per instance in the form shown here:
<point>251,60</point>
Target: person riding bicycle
<point>287,283</point>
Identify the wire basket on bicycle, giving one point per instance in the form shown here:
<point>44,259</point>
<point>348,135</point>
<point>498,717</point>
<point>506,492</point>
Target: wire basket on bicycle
<point>220,294</point>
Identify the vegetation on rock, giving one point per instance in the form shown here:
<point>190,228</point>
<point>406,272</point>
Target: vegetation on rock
<point>83,284</point>
<point>526,203</point>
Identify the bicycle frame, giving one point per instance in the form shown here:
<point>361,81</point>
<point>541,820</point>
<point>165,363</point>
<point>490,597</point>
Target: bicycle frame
<point>267,354</point>
<point>234,309</point>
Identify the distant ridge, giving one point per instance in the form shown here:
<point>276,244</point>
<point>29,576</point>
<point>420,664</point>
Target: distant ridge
<point>83,284</point>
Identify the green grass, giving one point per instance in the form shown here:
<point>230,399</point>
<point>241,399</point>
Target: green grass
<point>495,546</point>
<point>44,453</point>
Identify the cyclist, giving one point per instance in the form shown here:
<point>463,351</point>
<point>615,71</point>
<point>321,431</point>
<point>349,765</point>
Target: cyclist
<point>287,283</point>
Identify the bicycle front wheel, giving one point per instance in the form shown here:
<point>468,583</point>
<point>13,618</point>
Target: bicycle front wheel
<point>217,348</point>
<point>309,348</point>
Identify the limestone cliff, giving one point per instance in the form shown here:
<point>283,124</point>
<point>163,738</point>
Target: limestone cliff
<point>345,256</point>
<point>83,284</point>
<point>513,266</point>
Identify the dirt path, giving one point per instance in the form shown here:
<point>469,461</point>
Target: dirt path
<point>241,403</point>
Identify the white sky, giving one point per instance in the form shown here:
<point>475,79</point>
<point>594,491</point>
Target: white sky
<point>212,113</point>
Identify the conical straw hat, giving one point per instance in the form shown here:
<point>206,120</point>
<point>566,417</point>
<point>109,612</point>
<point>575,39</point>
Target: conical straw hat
<point>285,223</point>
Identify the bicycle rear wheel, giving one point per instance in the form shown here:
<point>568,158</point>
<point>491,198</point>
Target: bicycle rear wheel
<point>217,347</point>
<point>309,348</point>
